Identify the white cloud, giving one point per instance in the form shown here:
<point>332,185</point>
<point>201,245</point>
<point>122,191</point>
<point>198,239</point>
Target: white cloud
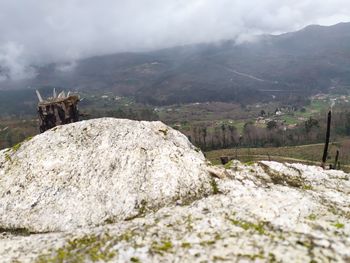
<point>13,66</point>
<point>58,30</point>
<point>66,67</point>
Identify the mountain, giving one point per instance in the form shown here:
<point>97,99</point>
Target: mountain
<point>314,59</point>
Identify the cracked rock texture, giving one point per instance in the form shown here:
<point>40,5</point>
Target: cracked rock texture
<point>95,172</point>
<point>264,212</point>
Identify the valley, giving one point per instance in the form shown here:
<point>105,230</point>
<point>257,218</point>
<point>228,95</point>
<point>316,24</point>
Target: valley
<point>246,132</point>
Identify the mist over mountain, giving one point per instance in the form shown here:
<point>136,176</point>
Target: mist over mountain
<point>314,59</point>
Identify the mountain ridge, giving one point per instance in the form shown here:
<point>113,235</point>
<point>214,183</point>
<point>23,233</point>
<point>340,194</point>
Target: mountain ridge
<point>295,64</point>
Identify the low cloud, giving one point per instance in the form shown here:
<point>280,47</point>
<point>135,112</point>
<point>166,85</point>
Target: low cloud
<point>13,64</point>
<point>66,67</point>
<point>34,32</point>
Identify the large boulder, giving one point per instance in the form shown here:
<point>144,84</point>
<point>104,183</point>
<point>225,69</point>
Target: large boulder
<point>95,172</point>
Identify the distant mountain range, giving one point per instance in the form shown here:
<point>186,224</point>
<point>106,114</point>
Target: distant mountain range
<point>314,59</point>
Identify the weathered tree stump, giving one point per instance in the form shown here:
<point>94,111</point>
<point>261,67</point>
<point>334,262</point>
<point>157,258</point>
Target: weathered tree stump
<point>57,110</point>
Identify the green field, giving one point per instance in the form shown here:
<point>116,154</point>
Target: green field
<point>315,108</point>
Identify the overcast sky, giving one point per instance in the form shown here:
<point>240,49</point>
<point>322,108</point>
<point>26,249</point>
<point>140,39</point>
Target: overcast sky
<point>42,31</point>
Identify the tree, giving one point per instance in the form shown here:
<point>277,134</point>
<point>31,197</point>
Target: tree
<point>271,125</point>
<point>310,124</point>
<point>347,123</point>
<point>223,129</point>
<point>234,136</point>
<point>204,134</point>
<point>8,139</point>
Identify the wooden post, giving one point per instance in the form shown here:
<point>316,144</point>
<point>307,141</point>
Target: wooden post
<point>336,160</point>
<point>57,110</point>
<point>328,134</point>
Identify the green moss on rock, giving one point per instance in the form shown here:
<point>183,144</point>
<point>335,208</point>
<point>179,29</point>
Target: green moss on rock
<point>162,247</point>
<point>260,227</point>
<point>88,248</point>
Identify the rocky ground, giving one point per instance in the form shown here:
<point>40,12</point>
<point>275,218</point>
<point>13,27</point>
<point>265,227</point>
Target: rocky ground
<point>263,212</point>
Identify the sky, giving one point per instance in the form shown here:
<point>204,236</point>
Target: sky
<point>35,32</point>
